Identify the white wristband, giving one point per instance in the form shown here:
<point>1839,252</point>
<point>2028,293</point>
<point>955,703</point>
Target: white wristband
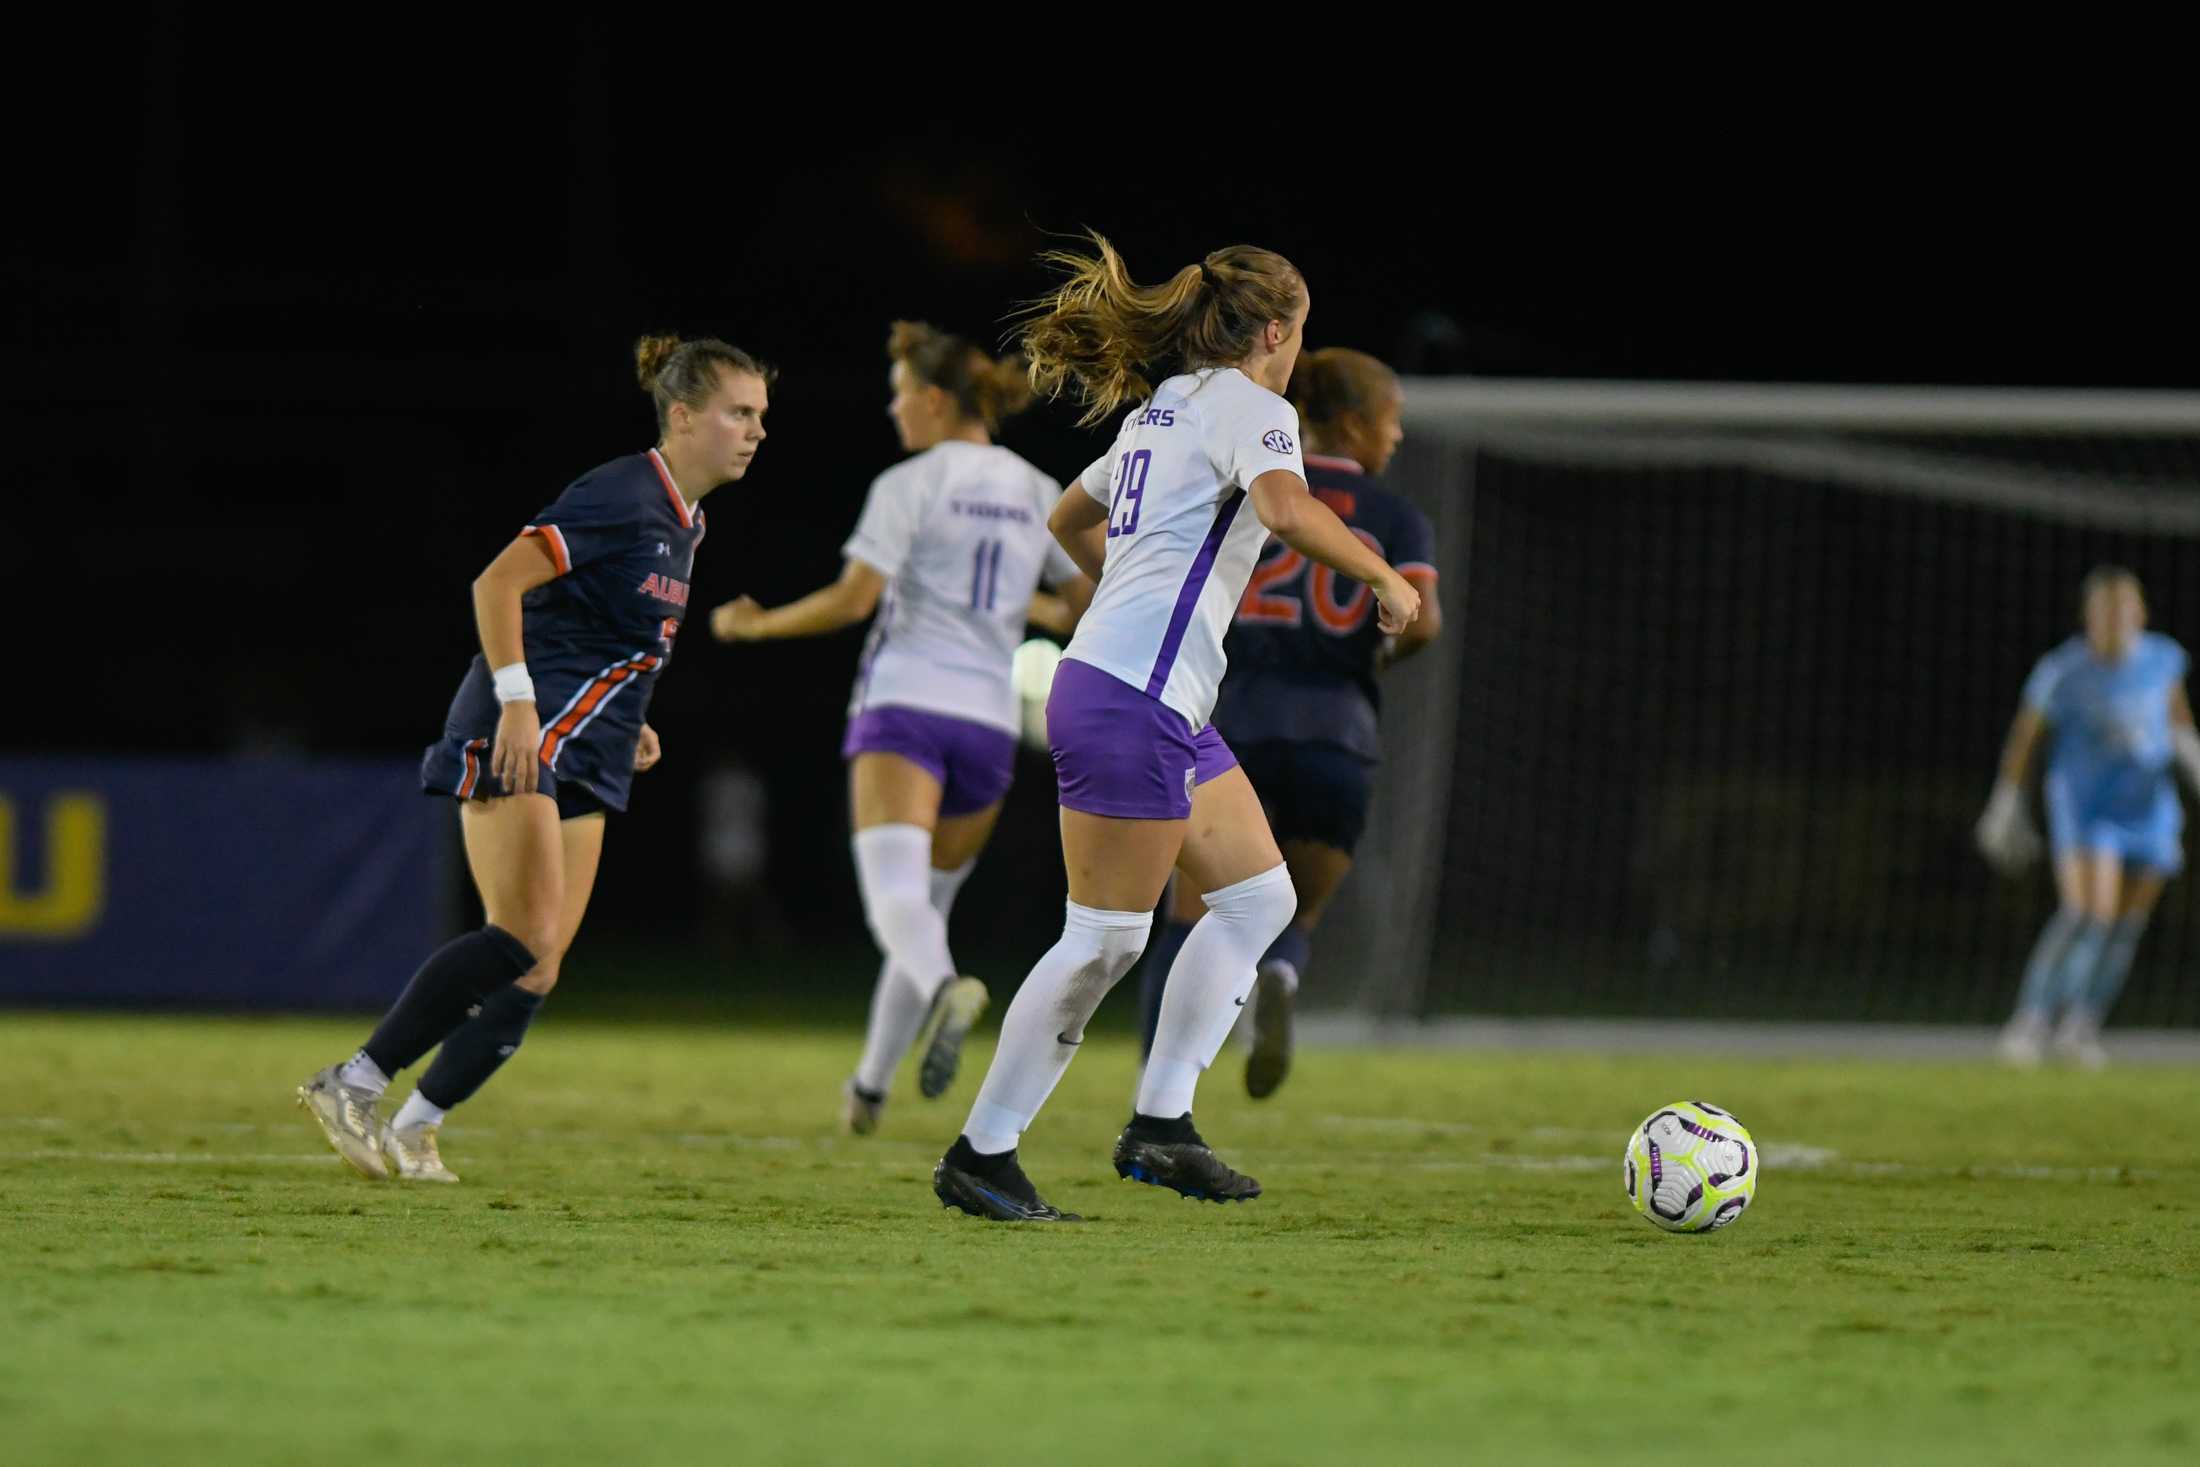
<point>513,684</point>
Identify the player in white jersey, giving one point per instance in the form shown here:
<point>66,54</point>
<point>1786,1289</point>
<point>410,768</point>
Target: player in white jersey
<point>950,547</point>
<point>1169,522</point>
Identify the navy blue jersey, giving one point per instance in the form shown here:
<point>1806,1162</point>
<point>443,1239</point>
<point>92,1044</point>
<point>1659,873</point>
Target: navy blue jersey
<point>596,636</point>
<point>1302,647</point>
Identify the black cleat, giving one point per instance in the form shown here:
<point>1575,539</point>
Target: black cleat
<point>992,1187</point>
<point>1270,1060</point>
<point>1169,1153</point>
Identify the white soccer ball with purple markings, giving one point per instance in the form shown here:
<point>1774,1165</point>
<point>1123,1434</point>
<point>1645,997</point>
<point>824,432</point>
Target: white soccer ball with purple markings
<point>1691,1167</point>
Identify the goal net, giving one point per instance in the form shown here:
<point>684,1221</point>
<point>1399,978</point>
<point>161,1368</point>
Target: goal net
<point>1724,677</point>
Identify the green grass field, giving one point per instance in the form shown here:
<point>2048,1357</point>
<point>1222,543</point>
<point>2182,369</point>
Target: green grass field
<point>663,1253</point>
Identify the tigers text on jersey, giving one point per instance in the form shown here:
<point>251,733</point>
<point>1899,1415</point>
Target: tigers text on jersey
<point>1303,647</point>
<point>960,533</point>
<point>1181,540</point>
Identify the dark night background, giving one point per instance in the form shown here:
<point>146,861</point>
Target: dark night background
<point>293,350</point>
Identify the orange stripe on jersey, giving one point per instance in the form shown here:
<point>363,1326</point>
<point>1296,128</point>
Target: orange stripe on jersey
<point>473,769</point>
<point>553,540</point>
<point>679,505</point>
<point>582,708</point>
<point>1417,570</point>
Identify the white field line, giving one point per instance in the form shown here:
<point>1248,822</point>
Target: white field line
<point>1731,1039</point>
<point>894,1155</point>
<point>1488,1163</point>
<point>1857,1169</point>
<point>184,1158</point>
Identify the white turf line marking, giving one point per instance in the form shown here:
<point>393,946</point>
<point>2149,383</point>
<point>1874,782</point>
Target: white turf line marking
<point>167,1158</point>
<point>1807,1159</point>
<point>1778,1156</point>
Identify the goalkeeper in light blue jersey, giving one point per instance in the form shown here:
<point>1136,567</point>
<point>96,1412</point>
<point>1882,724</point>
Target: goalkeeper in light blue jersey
<point>2111,704</point>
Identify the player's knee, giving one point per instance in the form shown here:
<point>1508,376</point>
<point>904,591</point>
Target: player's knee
<point>1119,951</point>
<point>541,978</point>
<point>1107,945</point>
<point>1268,901</point>
<point>1108,955</point>
<point>539,933</point>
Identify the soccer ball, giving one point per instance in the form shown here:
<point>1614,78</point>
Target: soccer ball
<point>1691,1167</point>
<point>1031,672</point>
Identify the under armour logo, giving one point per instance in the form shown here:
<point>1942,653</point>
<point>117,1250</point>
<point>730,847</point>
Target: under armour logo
<point>663,548</point>
<point>506,1051</point>
<point>474,1012</point>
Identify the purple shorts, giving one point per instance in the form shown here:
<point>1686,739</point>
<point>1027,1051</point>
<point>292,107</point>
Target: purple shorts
<point>1118,752</point>
<point>974,762</point>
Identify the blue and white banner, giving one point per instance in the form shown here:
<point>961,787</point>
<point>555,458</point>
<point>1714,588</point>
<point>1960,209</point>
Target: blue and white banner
<point>267,883</point>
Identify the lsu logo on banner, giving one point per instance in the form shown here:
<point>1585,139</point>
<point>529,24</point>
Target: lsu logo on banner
<point>69,902</point>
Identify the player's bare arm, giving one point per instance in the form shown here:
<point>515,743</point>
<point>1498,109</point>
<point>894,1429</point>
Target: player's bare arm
<point>845,602</point>
<point>1078,523</point>
<point>1426,626</point>
<point>519,568</point>
<point>1294,516</point>
<point>1060,611</point>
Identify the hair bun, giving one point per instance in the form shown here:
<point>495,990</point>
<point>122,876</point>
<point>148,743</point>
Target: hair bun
<point>650,355</point>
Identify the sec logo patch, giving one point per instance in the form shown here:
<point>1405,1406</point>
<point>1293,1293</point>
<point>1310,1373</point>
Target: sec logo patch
<point>1275,440</point>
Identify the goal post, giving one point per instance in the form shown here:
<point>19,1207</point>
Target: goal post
<point>1724,674</point>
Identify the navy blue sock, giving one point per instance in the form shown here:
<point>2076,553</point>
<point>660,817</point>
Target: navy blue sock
<point>1294,945</point>
<point>460,974</point>
<point>1153,979</point>
<point>479,1046</point>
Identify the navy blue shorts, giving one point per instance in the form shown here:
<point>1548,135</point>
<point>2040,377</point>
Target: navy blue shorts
<point>1316,792</point>
<point>579,753</point>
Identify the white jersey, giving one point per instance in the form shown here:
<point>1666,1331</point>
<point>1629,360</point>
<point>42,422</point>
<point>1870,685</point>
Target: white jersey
<point>1181,539</point>
<point>960,533</point>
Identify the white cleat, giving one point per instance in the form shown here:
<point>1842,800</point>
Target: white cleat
<point>859,1113</point>
<point>414,1157</point>
<point>2023,1042</point>
<point>955,1008</point>
<point>347,1118</point>
<point>2078,1041</point>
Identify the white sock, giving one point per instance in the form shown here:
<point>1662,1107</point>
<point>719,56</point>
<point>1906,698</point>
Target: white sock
<point>898,1007</point>
<point>899,1003</point>
<point>1043,1027</point>
<point>417,1110</point>
<point>364,1073</point>
<point>1210,980</point>
<point>894,869</point>
<point>945,885</point>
